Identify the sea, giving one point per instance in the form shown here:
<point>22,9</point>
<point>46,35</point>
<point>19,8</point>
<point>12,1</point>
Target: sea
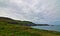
<point>52,28</point>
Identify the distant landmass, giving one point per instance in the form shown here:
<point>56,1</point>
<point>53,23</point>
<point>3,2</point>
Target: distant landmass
<point>19,22</point>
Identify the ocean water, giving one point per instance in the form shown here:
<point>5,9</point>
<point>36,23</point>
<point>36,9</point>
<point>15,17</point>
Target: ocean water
<point>52,28</point>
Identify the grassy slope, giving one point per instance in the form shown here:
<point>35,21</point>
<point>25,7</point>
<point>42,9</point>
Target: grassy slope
<point>17,30</point>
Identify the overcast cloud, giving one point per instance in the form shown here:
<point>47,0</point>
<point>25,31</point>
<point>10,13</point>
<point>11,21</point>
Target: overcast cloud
<point>37,11</point>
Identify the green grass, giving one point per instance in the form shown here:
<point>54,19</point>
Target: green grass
<point>18,30</point>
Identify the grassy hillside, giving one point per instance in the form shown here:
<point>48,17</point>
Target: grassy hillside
<point>11,21</point>
<point>7,29</point>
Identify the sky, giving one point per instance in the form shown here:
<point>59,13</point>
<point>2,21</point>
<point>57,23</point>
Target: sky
<point>37,11</point>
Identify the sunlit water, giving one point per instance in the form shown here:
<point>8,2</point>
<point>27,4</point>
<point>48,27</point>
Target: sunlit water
<point>53,28</point>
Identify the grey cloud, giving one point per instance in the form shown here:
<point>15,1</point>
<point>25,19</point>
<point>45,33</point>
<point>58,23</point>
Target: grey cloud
<point>33,10</point>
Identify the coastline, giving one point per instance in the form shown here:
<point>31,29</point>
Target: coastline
<point>9,27</point>
<point>18,30</point>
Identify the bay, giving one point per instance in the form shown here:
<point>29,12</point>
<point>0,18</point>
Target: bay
<point>52,28</point>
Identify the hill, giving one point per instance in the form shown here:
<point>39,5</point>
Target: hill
<point>24,23</point>
<point>11,21</point>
